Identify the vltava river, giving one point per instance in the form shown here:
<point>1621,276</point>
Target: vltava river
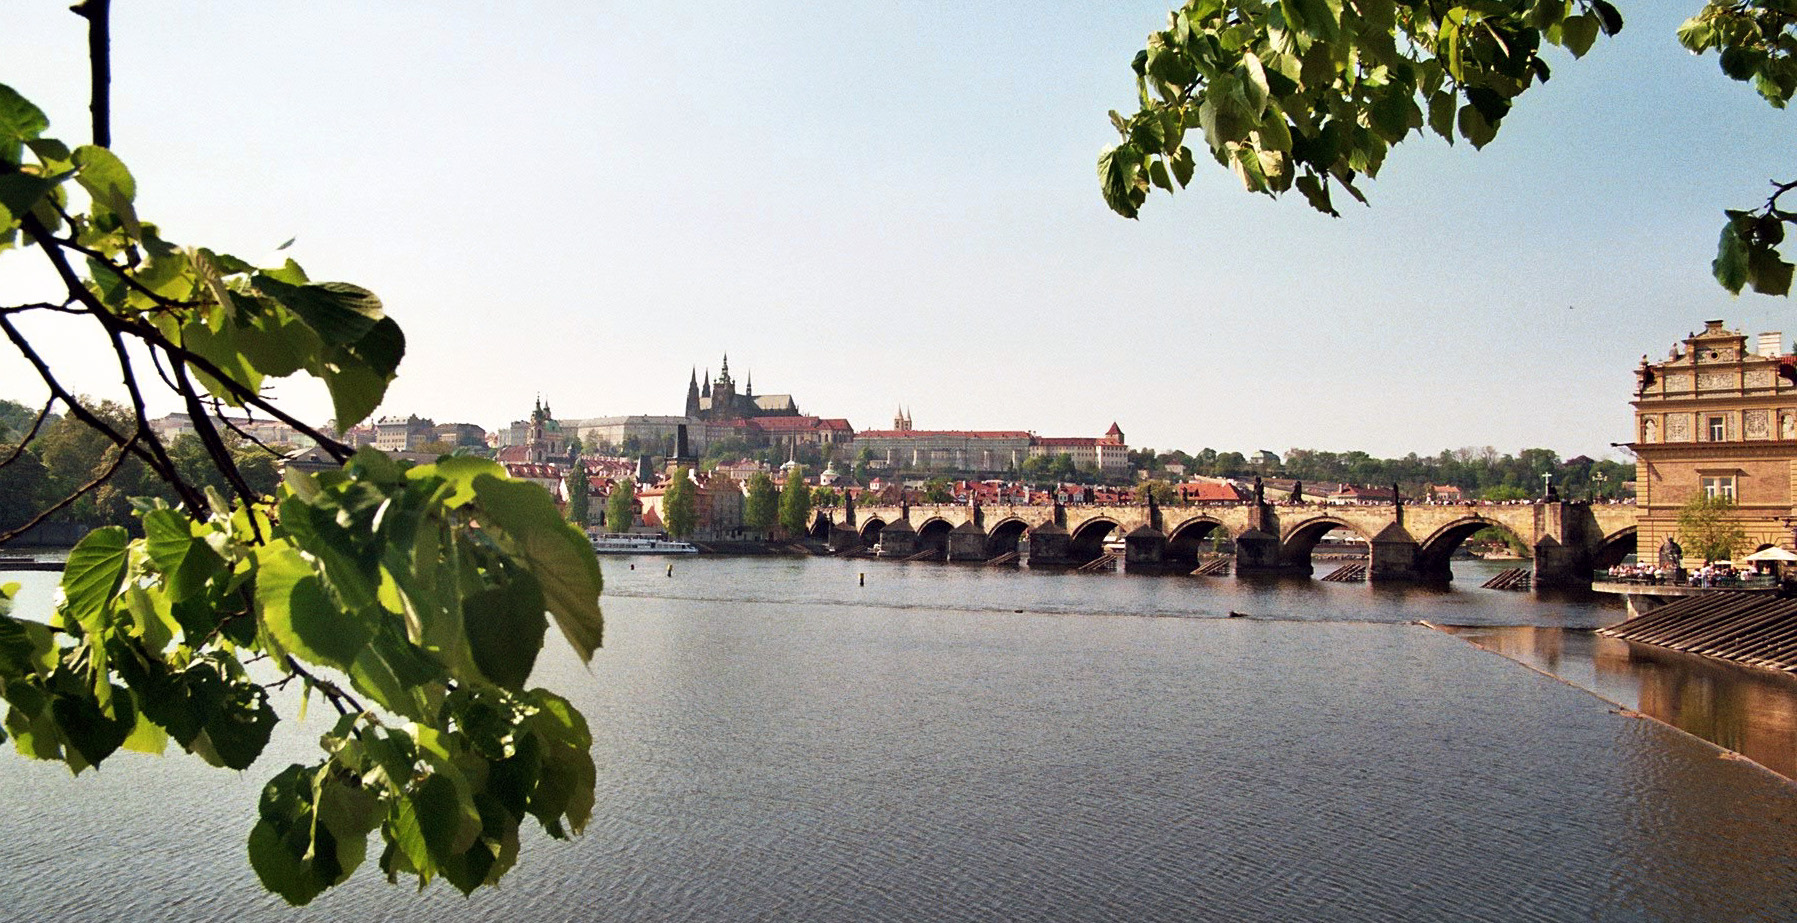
<point>778,742</point>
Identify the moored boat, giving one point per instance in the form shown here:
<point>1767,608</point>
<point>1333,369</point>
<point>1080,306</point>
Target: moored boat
<point>625,543</point>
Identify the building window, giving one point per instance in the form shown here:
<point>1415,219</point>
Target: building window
<point>1719,487</point>
<point>1715,429</point>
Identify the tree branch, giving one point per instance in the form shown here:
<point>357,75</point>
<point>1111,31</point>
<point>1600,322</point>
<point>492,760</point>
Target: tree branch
<point>98,14</point>
<point>31,434</point>
<point>81,491</point>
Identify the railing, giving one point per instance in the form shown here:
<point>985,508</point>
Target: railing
<point>1732,582</point>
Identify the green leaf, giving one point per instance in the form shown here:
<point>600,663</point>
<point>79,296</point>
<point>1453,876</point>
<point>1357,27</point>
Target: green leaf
<point>505,628</point>
<point>1157,174</point>
<point>298,613</point>
<point>355,391</point>
<point>20,121</point>
<point>1767,273</point>
<point>1608,18</point>
<point>92,574</point>
<point>1730,265</point>
<point>1441,114</point>
<point>1167,64</point>
<point>340,313</point>
<point>88,728</point>
<point>1316,192</point>
<point>1474,127</point>
<point>556,552</point>
<point>1182,166</point>
<point>21,192</point>
<point>1742,63</point>
<point>1578,33</point>
<point>239,730</point>
<point>1117,168</point>
<point>186,561</point>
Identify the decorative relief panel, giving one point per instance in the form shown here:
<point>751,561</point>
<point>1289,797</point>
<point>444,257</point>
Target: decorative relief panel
<point>1680,381</point>
<point>1715,381</point>
<point>1717,354</point>
<point>1650,429</point>
<point>1757,424</point>
<point>1787,425</point>
<point>1678,427</point>
<point>1759,378</point>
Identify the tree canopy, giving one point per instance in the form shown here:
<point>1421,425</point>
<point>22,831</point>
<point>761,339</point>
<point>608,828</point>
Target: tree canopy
<point>620,507</point>
<point>761,504</point>
<point>1312,94</point>
<point>1708,529</point>
<point>795,503</point>
<point>680,505</point>
<point>413,600</point>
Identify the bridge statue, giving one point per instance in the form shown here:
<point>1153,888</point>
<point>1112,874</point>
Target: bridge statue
<point>1260,490</point>
<point>1671,555</point>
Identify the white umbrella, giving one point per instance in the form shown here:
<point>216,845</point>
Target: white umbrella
<point>1772,554</point>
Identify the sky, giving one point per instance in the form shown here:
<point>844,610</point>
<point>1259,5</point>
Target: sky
<point>874,205</point>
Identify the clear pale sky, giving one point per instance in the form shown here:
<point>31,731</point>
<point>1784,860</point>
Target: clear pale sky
<point>874,204</point>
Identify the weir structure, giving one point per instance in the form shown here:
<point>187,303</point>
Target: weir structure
<point>1405,542</point>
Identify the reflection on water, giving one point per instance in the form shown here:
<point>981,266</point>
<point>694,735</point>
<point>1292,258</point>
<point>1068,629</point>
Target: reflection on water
<point>777,742</point>
<point>1750,711</point>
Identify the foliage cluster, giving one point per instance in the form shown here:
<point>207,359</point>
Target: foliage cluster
<point>680,504</point>
<point>620,506</point>
<point>1707,529</point>
<point>761,504</point>
<point>1482,472</point>
<point>414,601</point>
<point>795,503</point>
<point>1313,94</point>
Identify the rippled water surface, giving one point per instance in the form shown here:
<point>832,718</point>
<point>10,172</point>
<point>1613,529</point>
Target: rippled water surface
<point>776,741</point>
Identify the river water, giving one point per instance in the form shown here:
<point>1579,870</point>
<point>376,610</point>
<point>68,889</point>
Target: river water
<point>777,741</point>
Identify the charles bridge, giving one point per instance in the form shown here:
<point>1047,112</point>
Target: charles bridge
<point>1411,542</point>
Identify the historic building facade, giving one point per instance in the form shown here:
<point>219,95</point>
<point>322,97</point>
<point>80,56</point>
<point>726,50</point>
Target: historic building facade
<point>1717,417</point>
<point>904,447</point>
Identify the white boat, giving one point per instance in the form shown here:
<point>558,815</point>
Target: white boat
<point>625,543</point>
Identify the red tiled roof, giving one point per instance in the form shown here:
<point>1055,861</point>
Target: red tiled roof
<point>950,433</point>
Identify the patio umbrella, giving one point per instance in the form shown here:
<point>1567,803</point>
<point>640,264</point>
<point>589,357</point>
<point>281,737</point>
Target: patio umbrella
<point>1771,554</point>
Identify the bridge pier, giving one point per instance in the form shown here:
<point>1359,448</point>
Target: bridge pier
<point>843,537</point>
<point>1393,556</point>
<point>1560,565</point>
<point>967,542</point>
<point>1050,544</point>
<point>898,540</point>
<point>1144,548</point>
<point>1257,552</point>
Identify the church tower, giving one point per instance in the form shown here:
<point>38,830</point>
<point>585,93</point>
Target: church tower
<point>723,394</point>
<point>692,395</point>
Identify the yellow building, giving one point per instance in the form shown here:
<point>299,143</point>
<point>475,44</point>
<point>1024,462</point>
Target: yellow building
<point>1718,418</point>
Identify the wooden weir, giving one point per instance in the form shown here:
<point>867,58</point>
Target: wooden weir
<point>1756,629</point>
<point>1216,567</point>
<point>1009,557</point>
<point>1510,578</point>
<point>1348,573</point>
<point>1104,561</point>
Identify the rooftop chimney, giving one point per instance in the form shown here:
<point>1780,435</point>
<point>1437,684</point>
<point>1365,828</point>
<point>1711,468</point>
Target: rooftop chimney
<point>1771,344</point>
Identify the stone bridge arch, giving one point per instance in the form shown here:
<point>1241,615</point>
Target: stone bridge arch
<point>1299,540</point>
<point>1614,548</point>
<point>1005,536</point>
<point>932,534</point>
<point>1434,556</point>
<point>1088,538</point>
<point>870,530</point>
<point>1188,539</point>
